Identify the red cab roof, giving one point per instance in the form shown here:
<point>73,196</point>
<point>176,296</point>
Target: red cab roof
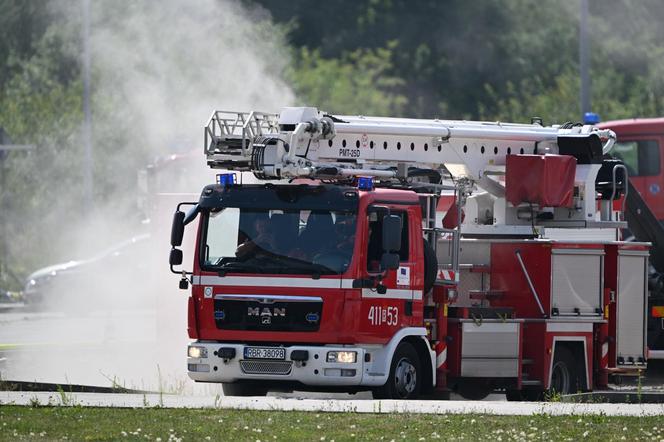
<point>635,126</point>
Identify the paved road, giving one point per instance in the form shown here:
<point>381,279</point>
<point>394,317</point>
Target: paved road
<point>136,349</point>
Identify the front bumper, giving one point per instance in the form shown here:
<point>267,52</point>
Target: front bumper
<point>315,371</point>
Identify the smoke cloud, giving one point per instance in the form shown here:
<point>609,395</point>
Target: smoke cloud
<point>159,70</point>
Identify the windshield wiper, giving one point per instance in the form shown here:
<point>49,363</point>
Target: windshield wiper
<point>236,266</point>
<point>275,264</point>
<point>316,269</point>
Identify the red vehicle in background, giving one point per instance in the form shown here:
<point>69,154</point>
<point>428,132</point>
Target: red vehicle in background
<point>639,145</point>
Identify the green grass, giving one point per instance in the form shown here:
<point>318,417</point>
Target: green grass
<point>78,423</point>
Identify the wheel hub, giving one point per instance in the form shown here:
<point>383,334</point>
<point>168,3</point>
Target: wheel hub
<point>405,377</point>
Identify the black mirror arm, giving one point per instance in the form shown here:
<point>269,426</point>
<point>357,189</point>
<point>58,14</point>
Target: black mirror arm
<point>185,280</point>
<point>371,282</point>
<point>180,272</point>
<point>192,213</point>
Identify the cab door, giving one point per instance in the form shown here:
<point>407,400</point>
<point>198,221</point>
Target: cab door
<point>389,305</point>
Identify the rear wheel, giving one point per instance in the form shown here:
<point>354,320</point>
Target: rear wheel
<point>405,379</point>
<point>242,389</point>
<point>564,378</point>
<point>514,395</point>
<point>475,389</point>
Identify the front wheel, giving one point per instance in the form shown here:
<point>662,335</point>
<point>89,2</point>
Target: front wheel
<point>405,379</point>
<point>242,389</point>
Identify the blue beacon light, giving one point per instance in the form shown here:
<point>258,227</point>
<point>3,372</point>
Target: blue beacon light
<point>365,183</point>
<point>590,118</point>
<point>226,179</point>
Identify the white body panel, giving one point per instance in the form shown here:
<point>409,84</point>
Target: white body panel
<point>576,281</point>
<point>490,349</point>
<point>316,372</point>
<point>630,333</point>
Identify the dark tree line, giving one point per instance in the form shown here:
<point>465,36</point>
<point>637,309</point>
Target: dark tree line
<point>499,59</point>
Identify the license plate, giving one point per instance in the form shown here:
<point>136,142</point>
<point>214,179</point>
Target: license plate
<point>264,353</point>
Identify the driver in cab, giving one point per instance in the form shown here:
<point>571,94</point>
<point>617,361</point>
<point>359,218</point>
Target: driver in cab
<point>262,239</point>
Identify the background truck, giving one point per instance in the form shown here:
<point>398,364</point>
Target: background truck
<point>639,147</point>
<point>342,279</point>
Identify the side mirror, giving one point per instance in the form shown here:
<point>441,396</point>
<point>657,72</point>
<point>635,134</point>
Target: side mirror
<point>391,233</point>
<point>177,229</point>
<point>175,258</point>
<point>389,261</point>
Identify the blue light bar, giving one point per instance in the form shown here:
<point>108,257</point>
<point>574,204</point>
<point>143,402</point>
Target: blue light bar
<point>590,118</point>
<point>365,183</point>
<point>226,179</point>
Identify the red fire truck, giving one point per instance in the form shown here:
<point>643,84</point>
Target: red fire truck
<point>339,273</point>
<point>639,148</point>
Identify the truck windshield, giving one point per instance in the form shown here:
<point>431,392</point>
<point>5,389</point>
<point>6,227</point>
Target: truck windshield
<point>310,242</point>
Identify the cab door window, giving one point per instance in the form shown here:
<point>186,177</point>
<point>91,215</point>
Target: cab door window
<point>640,156</point>
<point>375,244</point>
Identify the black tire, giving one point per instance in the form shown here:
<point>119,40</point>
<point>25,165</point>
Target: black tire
<point>474,390</point>
<point>405,379</point>
<point>533,394</point>
<point>514,395</point>
<point>242,389</point>
<point>564,377</point>
<point>430,267</point>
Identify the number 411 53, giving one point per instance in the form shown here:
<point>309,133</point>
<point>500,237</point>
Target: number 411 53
<point>379,315</point>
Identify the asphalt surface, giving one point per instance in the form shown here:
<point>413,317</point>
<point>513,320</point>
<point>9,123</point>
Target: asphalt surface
<point>146,350</point>
<point>135,349</point>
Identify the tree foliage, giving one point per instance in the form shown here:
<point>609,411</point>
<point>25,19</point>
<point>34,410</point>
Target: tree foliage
<point>495,59</point>
<point>505,60</point>
<point>358,82</point>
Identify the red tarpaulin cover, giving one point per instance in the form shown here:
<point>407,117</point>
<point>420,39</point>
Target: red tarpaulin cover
<point>546,180</point>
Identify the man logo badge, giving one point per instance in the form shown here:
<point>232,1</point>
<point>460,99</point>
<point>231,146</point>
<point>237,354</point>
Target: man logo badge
<point>266,313</point>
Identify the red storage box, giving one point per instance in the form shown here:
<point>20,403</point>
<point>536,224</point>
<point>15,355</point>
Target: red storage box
<point>545,180</point>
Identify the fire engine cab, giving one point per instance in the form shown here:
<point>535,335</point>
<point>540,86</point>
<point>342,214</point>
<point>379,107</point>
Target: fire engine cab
<point>410,257</point>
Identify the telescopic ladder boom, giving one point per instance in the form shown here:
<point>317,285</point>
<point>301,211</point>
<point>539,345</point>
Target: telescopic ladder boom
<point>302,142</point>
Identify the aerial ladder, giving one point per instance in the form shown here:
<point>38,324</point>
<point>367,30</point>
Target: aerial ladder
<point>306,143</point>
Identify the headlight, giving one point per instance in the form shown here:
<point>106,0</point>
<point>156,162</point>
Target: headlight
<point>345,357</point>
<point>197,352</point>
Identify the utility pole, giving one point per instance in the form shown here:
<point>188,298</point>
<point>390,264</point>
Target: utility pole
<point>584,59</point>
<point>87,122</point>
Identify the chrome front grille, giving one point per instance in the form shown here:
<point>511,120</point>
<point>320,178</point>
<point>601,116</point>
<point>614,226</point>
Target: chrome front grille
<point>281,368</point>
